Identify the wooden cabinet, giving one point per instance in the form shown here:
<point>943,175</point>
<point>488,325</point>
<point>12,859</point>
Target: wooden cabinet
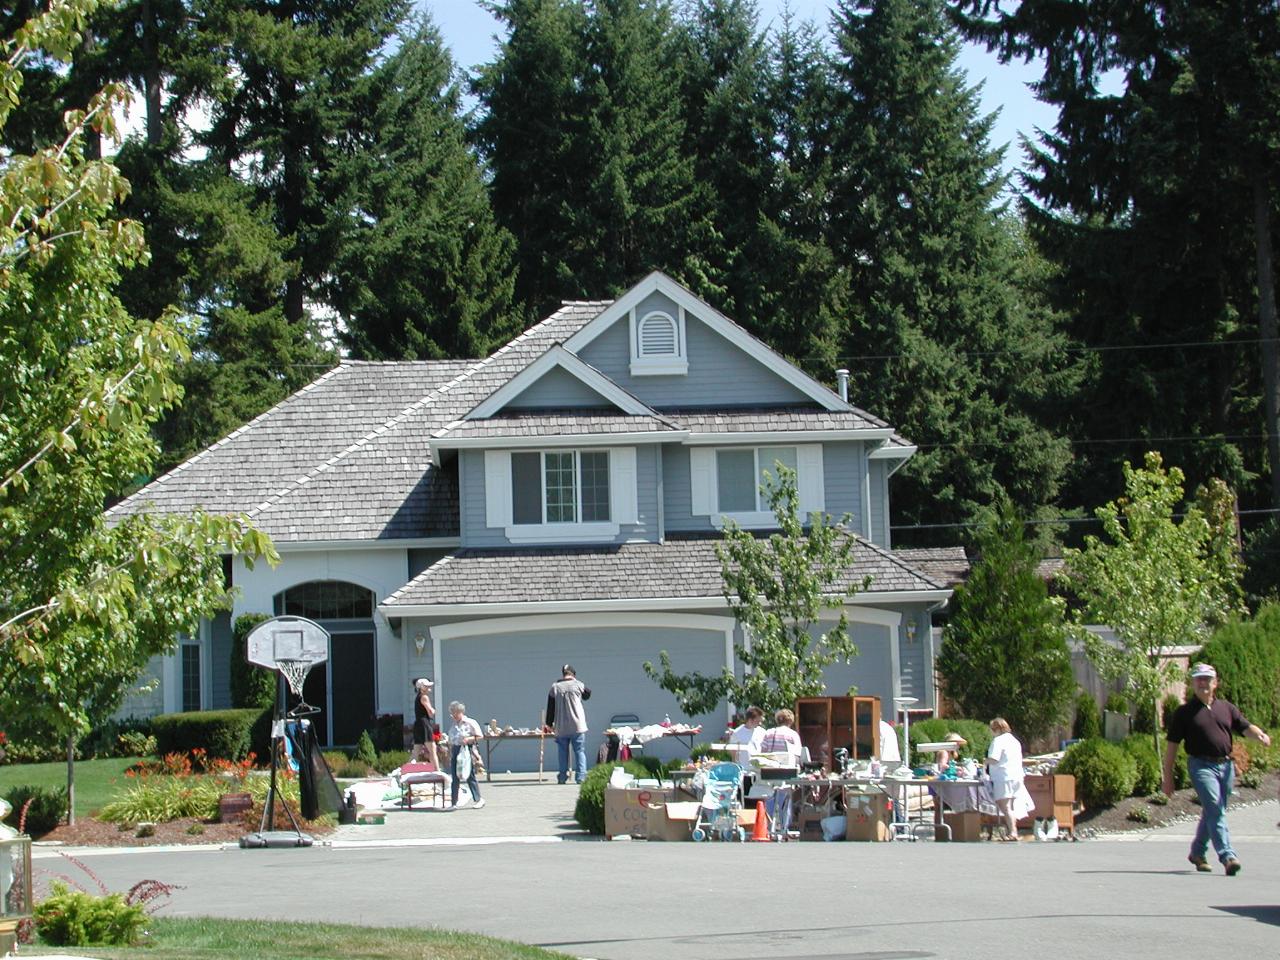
<point>827,724</point>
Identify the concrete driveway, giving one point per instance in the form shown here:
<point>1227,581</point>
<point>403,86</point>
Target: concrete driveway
<point>1134,897</point>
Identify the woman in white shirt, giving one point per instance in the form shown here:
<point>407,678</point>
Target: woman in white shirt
<point>1004,763</point>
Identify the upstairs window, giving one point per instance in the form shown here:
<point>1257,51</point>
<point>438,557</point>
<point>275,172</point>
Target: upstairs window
<point>725,482</point>
<point>657,344</point>
<point>561,495</point>
<point>560,486</point>
<point>740,475</point>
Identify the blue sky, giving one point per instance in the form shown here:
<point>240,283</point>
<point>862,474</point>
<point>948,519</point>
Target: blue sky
<point>469,31</point>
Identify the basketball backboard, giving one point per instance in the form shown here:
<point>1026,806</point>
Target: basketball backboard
<point>287,638</point>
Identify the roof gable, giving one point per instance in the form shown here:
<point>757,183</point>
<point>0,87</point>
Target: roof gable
<point>557,358</point>
<point>621,309</point>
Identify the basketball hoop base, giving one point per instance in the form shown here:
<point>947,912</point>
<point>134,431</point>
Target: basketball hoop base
<point>275,838</point>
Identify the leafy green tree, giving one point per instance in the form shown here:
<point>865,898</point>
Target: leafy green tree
<point>83,603</point>
<point>422,272</point>
<point>978,373</point>
<point>1153,580</point>
<point>777,589</point>
<point>1004,650</point>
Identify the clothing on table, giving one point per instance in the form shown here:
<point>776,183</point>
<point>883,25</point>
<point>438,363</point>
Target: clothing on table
<point>781,740</point>
<point>1005,754</point>
<point>743,742</point>
<point>565,713</point>
<point>889,752</point>
<point>1206,731</point>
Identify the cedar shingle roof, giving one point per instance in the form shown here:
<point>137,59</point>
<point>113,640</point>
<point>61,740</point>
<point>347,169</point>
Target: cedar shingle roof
<point>750,420</point>
<point>681,568</point>
<point>546,423</point>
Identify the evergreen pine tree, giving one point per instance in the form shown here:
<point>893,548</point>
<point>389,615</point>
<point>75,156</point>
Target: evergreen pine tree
<point>1004,651</point>
<point>931,271</point>
<point>421,270</point>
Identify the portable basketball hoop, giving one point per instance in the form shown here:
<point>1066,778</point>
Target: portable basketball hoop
<point>291,646</point>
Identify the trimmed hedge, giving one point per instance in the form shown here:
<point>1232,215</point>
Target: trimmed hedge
<point>1247,657</point>
<point>589,810</point>
<point>1105,773</point>
<point>220,733</point>
<point>934,730</point>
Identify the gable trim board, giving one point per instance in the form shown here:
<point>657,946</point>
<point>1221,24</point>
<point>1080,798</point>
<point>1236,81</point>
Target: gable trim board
<point>782,436</point>
<point>558,356</point>
<point>629,604</point>
<point>713,318</point>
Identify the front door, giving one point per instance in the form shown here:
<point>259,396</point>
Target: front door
<point>351,685</point>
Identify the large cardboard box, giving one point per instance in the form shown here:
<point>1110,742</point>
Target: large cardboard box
<point>672,820</point>
<point>965,827</point>
<point>626,810</point>
<point>867,817</point>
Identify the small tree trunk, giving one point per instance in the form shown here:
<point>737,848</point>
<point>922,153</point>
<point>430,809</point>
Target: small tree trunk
<point>1267,328</point>
<point>71,779</point>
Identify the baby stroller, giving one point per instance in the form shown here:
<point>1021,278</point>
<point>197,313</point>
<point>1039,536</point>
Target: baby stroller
<point>718,809</point>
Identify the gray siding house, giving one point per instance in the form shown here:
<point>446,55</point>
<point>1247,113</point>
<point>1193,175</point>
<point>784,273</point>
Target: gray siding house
<point>482,522</point>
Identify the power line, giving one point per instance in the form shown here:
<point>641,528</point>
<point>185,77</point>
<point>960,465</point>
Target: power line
<point>1105,348</point>
<point>1212,438</point>
<point>1054,521</point>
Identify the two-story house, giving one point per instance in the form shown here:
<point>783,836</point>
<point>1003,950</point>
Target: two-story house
<point>483,522</point>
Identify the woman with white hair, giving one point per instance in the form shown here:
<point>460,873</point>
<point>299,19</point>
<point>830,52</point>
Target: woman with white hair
<point>424,727</point>
<point>462,735</point>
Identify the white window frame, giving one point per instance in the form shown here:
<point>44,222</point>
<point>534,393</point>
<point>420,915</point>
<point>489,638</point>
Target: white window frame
<point>623,497</point>
<point>665,364</point>
<point>705,487</point>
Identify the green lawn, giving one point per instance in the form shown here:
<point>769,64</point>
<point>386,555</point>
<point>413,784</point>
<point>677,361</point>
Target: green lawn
<point>204,939</point>
<point>96,780</point>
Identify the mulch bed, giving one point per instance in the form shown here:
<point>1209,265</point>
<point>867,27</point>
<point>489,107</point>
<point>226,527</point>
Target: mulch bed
<point>87,832</point>
<point>1180,807</point>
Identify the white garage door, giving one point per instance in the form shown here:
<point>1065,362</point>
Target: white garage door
<point>505,676</point>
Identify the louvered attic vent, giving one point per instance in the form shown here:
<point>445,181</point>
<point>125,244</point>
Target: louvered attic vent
<point>659,346</point>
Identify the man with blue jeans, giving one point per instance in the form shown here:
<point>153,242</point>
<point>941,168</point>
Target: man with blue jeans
<point>568,719</point>
<point>1205,724</point>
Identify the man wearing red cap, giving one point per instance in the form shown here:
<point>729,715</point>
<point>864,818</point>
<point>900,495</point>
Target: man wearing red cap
<point>1205,724</point>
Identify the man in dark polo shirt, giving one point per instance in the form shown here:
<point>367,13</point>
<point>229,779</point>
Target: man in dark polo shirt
<point>1205,724</point>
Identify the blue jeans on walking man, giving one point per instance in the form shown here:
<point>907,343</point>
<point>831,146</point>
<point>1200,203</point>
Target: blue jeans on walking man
<point>1213,783</point>
<point>579,743</point>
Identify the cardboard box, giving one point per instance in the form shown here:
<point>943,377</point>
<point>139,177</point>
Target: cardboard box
<point>672,821</point>
<point>965,827</point>
<point>867,817</point>
<point>626,811</point>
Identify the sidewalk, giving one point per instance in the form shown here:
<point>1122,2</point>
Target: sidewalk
<point>1255,823</point>
<point>517,808</point>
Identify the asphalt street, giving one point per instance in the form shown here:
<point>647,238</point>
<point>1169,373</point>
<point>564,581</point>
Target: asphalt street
<point>842,901</point>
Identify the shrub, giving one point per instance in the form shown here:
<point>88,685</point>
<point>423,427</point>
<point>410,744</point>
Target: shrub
<point>118,738</point>
<point>1247,657</point>
<point>1104,772</point>
<point>365,751</point>
<point>134,743</point>
<point>220,733</point>
<point>589,810</point>
<point>252,687</point>
<point>335,758</point>
<point>1088,723</point>
<point>934,730</point>
<point>389,760</point>
<point>48,807</point>
<point>352,770</point>
<point>1169,704</point>
<point>1140,815</point>
<point>1252,779</point>
<point>655,767</point>
<point>159,799</point>
<point>1147,763</point>
<point>1144,719</point>
<point>68,918</point>
<point>1117,703</point>
<point>1263,758</point>
<point>1158,800</point>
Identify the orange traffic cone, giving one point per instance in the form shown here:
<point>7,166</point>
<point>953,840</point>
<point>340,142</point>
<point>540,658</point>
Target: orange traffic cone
<point>760,832</point>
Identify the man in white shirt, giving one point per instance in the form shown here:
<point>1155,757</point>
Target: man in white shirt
<point>746,739</point>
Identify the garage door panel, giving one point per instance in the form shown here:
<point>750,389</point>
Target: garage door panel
<point>506,677</point>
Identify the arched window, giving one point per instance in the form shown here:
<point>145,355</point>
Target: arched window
<point>325,600</point>
<point>659,336</point>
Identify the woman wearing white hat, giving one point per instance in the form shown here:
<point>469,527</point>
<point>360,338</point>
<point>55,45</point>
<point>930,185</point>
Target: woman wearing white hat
<point>424,728</point>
